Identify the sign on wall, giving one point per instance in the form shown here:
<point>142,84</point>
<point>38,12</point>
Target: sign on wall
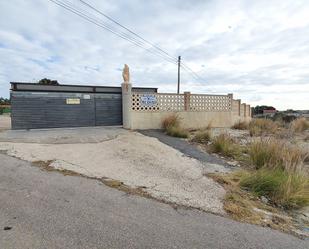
<point>148,100</point>
<point>73,101</point>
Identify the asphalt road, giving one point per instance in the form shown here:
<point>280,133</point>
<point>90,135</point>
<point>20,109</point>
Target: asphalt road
<point>40,209</point>
<point>184,147</point>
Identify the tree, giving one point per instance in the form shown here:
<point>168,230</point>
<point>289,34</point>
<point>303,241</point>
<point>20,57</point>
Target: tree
<point>4,101</point>
<point>48,82</point>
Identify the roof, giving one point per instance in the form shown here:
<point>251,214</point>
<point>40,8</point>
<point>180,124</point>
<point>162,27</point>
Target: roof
<point>35,87</point>
<point>269,111</point>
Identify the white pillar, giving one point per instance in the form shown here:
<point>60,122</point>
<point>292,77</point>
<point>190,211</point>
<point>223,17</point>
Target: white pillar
<point>126,105</point>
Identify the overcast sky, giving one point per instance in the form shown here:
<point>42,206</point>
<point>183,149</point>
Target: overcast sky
<point>256,49</point>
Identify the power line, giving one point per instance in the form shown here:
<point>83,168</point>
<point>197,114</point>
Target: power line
<point>139,41</point>
<point>104,26</point>
<point>194,74</point>
<point>127,29</point>
<point>70,5</point>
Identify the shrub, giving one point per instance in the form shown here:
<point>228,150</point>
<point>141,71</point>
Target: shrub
<point>202,136</point>
<point>262,126</point>
<point>273,153</point>
<point>176,131</point>
<point>225,145</point>
<point>1,110</point>
<point>290,190</point>
<point>241,125</point>
<point>172,120</point>
<point>299,125</point>
<point>171,125</point>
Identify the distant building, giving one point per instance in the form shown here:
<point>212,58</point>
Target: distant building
<point>269,113</point>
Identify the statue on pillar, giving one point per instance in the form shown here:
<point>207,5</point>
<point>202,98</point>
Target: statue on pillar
<point>126,74</point>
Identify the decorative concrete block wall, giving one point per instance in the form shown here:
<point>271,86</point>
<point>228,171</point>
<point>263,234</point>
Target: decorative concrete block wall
<point>147,110</point>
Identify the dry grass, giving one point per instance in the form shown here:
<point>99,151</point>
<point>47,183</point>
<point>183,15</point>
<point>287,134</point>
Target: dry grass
<point>242,205</point>
<point>279,173</point>
<point>224,144</point>
<point>258,127</point>
<point>241,125</point>
<point>171,120</point>
<point>176,131</point>
<point>289,190</point>
<point>299,125</point>
<point>273,153</point>
<point>171,125</point>
<point>202,136</point>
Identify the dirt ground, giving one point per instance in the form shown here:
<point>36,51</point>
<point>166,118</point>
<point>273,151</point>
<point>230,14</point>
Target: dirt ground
<point>129,157</point>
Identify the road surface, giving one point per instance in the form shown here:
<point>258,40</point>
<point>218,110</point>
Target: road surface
<point>41,209</point>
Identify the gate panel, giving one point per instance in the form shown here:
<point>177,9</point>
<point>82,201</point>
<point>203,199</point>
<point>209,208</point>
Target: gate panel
<point>108,109</point>
<point>50,110</point>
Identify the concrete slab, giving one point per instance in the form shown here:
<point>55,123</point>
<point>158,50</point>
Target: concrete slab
<point>130,157</point>
<point>5,122</point>
<point>63,135</point>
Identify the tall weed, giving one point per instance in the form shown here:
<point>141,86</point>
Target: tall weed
<point>289,190</point>
<point>299,125</point>
<point>171,120</point>
<point>202,136</point>
<point>241,125</point>
<point>171,125</point>
<point>273,153</point>
<point>225,145</point>
<point>259,127</point>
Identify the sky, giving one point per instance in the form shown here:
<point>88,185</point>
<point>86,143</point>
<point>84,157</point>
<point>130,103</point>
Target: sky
<point>258,50</point>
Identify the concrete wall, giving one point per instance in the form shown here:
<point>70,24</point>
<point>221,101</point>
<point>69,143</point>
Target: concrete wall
<point>153,120</point>
<point>194,110</point>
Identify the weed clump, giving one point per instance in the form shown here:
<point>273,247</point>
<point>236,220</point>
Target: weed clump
<point>177,132</point>
<point>202,136</point>
<point>172,120</point>
<point>225,145</point>
<point>278,174</point>
<point>273,153</point>
<point>289,190</point>
<point>240,125</point>
<point>259,127</point>
<point>171,125</point>
<point>299,125</point>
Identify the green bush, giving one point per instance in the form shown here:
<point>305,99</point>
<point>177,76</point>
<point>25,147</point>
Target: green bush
<point>6,110</point>
<point>290,190</point>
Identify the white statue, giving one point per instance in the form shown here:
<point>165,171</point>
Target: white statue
<point>126,74</point>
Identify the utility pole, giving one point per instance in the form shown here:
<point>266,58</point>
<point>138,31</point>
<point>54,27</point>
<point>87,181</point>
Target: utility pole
<point>178,85</point>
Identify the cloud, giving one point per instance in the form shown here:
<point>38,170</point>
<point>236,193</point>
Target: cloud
<point>256,49</point>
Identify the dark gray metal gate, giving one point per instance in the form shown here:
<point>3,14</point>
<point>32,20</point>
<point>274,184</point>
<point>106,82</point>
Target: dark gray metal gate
<point>36,106</point>
<point>108,109</point>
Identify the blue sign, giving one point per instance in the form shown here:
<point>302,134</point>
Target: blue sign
<point>148,100</point>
